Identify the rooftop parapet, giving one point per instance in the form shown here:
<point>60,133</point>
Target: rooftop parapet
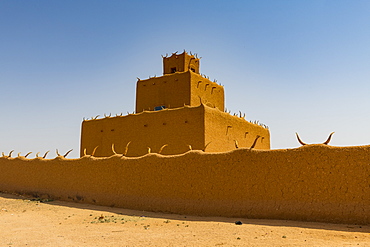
<point>180,63</point>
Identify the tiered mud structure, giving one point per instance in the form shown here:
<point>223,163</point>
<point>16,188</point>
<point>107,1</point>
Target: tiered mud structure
<point>177,112</point>
<point>175,115</point>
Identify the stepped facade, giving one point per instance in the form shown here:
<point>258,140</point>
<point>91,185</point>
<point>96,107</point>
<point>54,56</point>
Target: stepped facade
<point>177,112</point>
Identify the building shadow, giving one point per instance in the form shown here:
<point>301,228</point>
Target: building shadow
<point>169,216</point>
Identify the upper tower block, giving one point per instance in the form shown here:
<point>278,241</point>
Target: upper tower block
<point>180,85</point>
<point>180,63</point>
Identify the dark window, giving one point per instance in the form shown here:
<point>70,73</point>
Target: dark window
<point>173,70</point>
<point>158,108</point>
<point>192,69</point>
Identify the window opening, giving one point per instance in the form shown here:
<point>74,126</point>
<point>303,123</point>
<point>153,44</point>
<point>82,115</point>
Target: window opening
<point>158,108</point>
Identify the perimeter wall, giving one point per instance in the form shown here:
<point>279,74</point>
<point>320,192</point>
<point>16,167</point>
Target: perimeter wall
<point>310,183</point>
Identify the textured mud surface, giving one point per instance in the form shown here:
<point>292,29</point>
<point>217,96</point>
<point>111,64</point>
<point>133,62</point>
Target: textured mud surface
<point>37,222</point>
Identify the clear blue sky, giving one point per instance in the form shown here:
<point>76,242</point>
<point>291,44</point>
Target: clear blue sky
<point>297,66</point>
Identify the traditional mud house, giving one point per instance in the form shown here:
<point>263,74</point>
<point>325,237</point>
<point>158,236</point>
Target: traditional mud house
<point>176,112</point>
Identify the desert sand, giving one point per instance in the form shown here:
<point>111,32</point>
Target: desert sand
<point>35,222</point>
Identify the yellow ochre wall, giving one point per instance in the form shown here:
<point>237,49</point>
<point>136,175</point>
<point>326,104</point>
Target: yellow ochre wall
<point>310,183</point>
<point>177,128</point>
<point>171,91</point>
<point>223,129</point>
<point>210,93</point>
<point>182,62</point>
<point>176,90</point>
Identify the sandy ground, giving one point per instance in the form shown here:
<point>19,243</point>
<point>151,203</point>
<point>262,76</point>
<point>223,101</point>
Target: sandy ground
<point>31,222</point>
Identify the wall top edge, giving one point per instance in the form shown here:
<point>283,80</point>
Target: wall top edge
<point>316,148</point>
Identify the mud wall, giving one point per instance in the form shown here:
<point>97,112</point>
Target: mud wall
<point>222,130</point>
<point>176,128</point>
<point>176,90</point>
<point>311,183</point>
<point>210,93</point>
<point>181,63</point>
<point>171,91</point>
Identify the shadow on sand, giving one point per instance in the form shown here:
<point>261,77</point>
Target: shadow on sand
<point>161,215</point>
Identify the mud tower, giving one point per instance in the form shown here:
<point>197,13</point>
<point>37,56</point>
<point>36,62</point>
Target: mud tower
<point>177,112</point>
